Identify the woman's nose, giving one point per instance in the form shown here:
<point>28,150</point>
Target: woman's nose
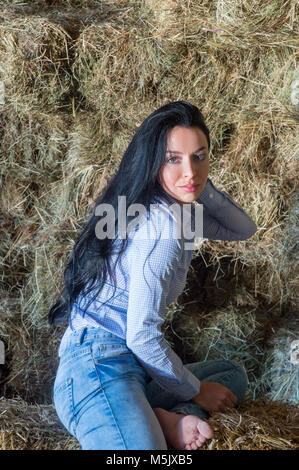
<point>189,168</point>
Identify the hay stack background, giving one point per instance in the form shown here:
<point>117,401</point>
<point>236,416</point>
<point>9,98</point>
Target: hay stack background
<point>79,77</point>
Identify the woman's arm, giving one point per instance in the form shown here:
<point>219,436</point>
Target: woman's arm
<point>223,218</point>
<point>150,280</point>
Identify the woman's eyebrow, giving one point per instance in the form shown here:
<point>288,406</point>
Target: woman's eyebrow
<point>175,151</point>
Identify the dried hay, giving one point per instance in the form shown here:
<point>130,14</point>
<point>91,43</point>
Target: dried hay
<point>33,146</point>
<point>32,427</point>
<point>34,61</point>
<point>218,317</point>
<point>224,333</point>
<point>31,362</point>
<point>117,61</point>
<point>262,345</point>
<point>279,373</point>
<point>255,425</point>
<point>91,159</point>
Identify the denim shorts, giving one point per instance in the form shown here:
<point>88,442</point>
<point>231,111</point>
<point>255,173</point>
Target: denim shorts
<point>105,398</point>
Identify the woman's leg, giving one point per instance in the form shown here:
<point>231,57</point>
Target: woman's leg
<point>225,372</point>
<point>102,402</point>
<point>119,417</point>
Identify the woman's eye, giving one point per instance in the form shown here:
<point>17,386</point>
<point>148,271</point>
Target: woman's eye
<point>199,157</point>
<point>169,159</point>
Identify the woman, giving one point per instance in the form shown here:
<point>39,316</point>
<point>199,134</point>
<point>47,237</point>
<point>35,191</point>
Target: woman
<point>119,385</point>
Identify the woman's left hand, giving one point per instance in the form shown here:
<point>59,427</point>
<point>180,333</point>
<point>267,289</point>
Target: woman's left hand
<point>215,397</point>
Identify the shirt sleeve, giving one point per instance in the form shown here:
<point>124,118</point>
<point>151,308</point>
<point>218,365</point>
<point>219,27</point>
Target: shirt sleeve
<point>151,271</point>
<point>223,218</point>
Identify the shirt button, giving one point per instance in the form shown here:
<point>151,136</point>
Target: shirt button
<point>211,195</point>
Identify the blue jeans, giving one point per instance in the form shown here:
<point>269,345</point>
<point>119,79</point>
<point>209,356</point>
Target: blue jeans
<point>105,398</point>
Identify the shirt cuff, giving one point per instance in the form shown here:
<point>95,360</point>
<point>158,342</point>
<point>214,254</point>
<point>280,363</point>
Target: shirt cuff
<point>190,386</point>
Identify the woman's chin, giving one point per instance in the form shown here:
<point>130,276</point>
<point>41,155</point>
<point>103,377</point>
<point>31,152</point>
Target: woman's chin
<point>187,199</point>
<point>190,196</point>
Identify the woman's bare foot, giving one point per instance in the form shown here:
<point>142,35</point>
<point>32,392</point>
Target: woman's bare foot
<point>183,432</point>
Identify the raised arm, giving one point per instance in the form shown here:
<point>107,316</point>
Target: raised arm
<point>150,279</point>
<point>223,218</point>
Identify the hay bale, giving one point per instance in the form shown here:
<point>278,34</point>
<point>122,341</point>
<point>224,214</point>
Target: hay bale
<point>91,158</point>
<point>279,375</point>
<point>226,332</point>
<point>117,61</point>
<point>288,254</point>
<point>32,427</point>
<point>32,155</point>
<point>34,61</point>
<point>219,318</point>
<point>32,147</point>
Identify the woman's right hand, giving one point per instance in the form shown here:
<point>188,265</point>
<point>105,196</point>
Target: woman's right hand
<point>214,397</point>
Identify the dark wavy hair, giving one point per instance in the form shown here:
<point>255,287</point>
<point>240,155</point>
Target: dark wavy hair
<point>137,179</point>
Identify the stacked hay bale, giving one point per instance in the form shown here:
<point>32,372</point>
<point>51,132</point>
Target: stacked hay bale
<point>34,122</point>
<point>79,77</point>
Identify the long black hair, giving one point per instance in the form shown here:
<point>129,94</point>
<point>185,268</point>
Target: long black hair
<point>137,180</point>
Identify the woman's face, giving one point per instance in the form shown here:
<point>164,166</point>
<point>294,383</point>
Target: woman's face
<point>186,163</point>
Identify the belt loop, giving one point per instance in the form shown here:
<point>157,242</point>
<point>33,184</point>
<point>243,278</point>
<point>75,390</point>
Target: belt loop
<point>81,337</point>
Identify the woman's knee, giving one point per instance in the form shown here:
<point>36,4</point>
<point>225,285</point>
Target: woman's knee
<point>240,380</point>
<point>240,369</point>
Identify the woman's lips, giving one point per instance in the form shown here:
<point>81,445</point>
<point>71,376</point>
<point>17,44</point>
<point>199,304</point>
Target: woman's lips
<point>190,188</point>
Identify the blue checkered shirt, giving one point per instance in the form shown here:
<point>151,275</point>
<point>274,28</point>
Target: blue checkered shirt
<point>151,277</point>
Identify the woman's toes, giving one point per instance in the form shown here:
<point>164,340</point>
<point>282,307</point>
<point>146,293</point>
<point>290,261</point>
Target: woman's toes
<point>193,445</point>
<point>205,430</point>
<point>200,440</point>
<point>190,445</point>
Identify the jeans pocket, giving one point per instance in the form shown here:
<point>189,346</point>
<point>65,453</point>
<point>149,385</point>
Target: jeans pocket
<point>64,404</point>
<point>103,350</point>
<point>122,365</point>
